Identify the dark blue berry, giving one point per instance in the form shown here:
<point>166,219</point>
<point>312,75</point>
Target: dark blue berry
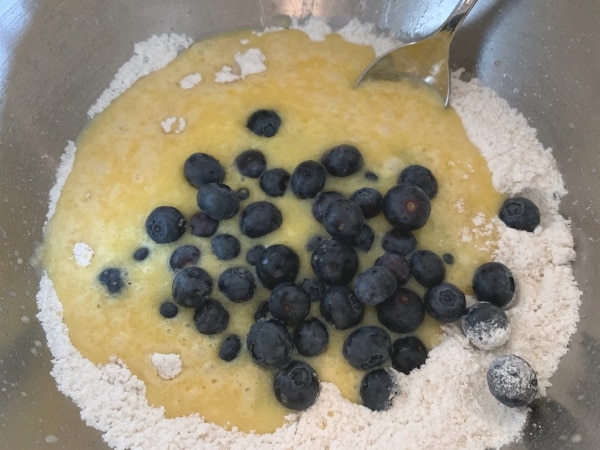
<point>315,289</point>
<point>311,337</point>
<point>242,194</point>
<point>165,224</point>
<point>401,242</point>
<point>262,311</point>
<point>168,309</point>
<point>218,201</point>
<point>377,390</point>
<point>448,258</point>
<point>494,282</point>
<point>191,286</point>
<point>342,160</point>
<point>186,255</point>
<point>322,201</point>
<point>251,163</point>
<point>520,213</point>
<point>202,225</point>
<point>277,264</point>
<point>230,347</point>
<point>308,179</point>
<point>369,200</point>
<point>445,303</point>
<point>421,177</point>
<point>269,343</point>
<point>371,176</point>
<point>112,279</point>
<point>296,386</point>
<point>486,326</point>
<point>211,318</point>
<point>341,308</point>
<point>289,303</point>
<point>141,253</point>
<point>403,312</point>
<point>343,219</point>
<point>406,206</point>
<point>427,268</point>
<point>253,255</point>
<point>237,284</point>
<point>260,218</point>
<point>512,381</point>
<point>274,182</point>
<point>397,264</point>
<point>367,347</point>
<point>334,262</point>
<point>363,240</point>
<point>264,122</point>
<point>408,353</point>
<point>374,285</point>
<point>201,168</point>
<point>225,246</point>
<point>312,243</point>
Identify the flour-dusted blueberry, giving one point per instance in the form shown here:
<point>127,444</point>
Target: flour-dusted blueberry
<point>341,308</point>
<point>237,284</point>
<point>274,182</point>
<point>322,201</point>
<point>296,386</point>
<point>402,312</point>
<point>445,302</point>
<point>251,163</point>
<point>427,268</point>
<point>421,177</point>
<point>253,255</point>
<point>512,381</point>
<point>397,264</point>
<point>520,213</point>
<point>269,343</point>
<point>202,225</point>
<point>168,309</point>
<point>315,288</point>
<point>367,347</point>
<point>406,207</point>
<point>225,246</point>
<point>342,160</point>
<point>277,264</point>
<point>141,253</point>
<point>494,282</point>
<point>369,200</point>
<point>289,303</point>
<point>218,201</point>
<point>408,353</point>
<point>401,242</point>
<point>201,168</point>
<point>260,218</point>
<point>343,219</point>
<point>334,262</point>
<point>262,311</point>
<point>186,255</point>
<point>230,348</point>
<point>363,240</point>
<point>211,317</point>
<point>112,279</point>
<point>311,337</point>
<point>308,178</point>
<point>486,326</point>
<point>165,224</point>
<point>377,389</point>
<point>374,285</point>
<point>191,286</point>
<point>264,122</point>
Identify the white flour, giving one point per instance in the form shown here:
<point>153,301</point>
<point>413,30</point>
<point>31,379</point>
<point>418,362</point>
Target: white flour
<point>444,404</point>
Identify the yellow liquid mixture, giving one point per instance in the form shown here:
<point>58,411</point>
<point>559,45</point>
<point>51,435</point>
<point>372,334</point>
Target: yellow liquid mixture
<point>126,165</point>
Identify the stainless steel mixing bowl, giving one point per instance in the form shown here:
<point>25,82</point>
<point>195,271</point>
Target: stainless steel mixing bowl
<point>56,57</point>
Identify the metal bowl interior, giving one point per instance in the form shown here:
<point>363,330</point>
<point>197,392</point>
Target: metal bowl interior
<point>57,57</point>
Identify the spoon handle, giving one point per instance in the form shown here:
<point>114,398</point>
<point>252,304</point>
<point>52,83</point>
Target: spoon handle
<point>457,15</point>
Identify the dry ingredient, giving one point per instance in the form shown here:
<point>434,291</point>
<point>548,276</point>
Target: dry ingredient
<point>445,403</point>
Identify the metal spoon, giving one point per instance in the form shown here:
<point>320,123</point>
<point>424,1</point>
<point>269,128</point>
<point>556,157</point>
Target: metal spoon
<point>425,60</point>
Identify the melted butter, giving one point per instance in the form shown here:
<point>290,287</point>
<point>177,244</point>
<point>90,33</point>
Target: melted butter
<point>126,165</point>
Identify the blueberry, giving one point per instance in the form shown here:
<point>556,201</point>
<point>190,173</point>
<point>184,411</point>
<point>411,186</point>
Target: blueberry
<point>427,268</point>
<point>403,312</point>
<point>296,386</point>
<point>289,303</point>
<point>274,182</point>
<point>251,163</point>
<point>374,285</point>
<point>202,225</point>
<point>242,194</point>
<point>377,390</point>
<point>406,207</point>
<point>168,309</point>
<point>165,224</point>
<point>311,337</point>
<point>230,347</point>
<point>322,201</point>
<point>225,246</point>
<point>112,279</point>
<point>494,282</point>
<point>445,302</point>
<point>308,179</point>
<point>218,201</point>
<point>211,318</point>
<point>343,219</point>
<point>408,353</point>
<point>313,243</point>
<point>264,122</point>
<point>186,255</point>
<point>315,289</point>
<point>191,286</point>
<point>341,308</point>
<point>253,255</point>
<point>397,264</point>
<point>260,218</point>
<point>486,326</point>
<point>369,200</point>
<point>262,311</point>
<point>277,264</point>
<point>201,168</point>
<point>269,343</point>
<point>421,177</point>
<point>520,213</point>
<point>367,347</point>
<point>512,381</point>
<point>448,258</point>
<point>342,160</point>
<point>334,262</point>
<point>141,253</point>
<point>371,176</point>
<point>398,241</point>
<point>363,240</point>
<point>237,284</point>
